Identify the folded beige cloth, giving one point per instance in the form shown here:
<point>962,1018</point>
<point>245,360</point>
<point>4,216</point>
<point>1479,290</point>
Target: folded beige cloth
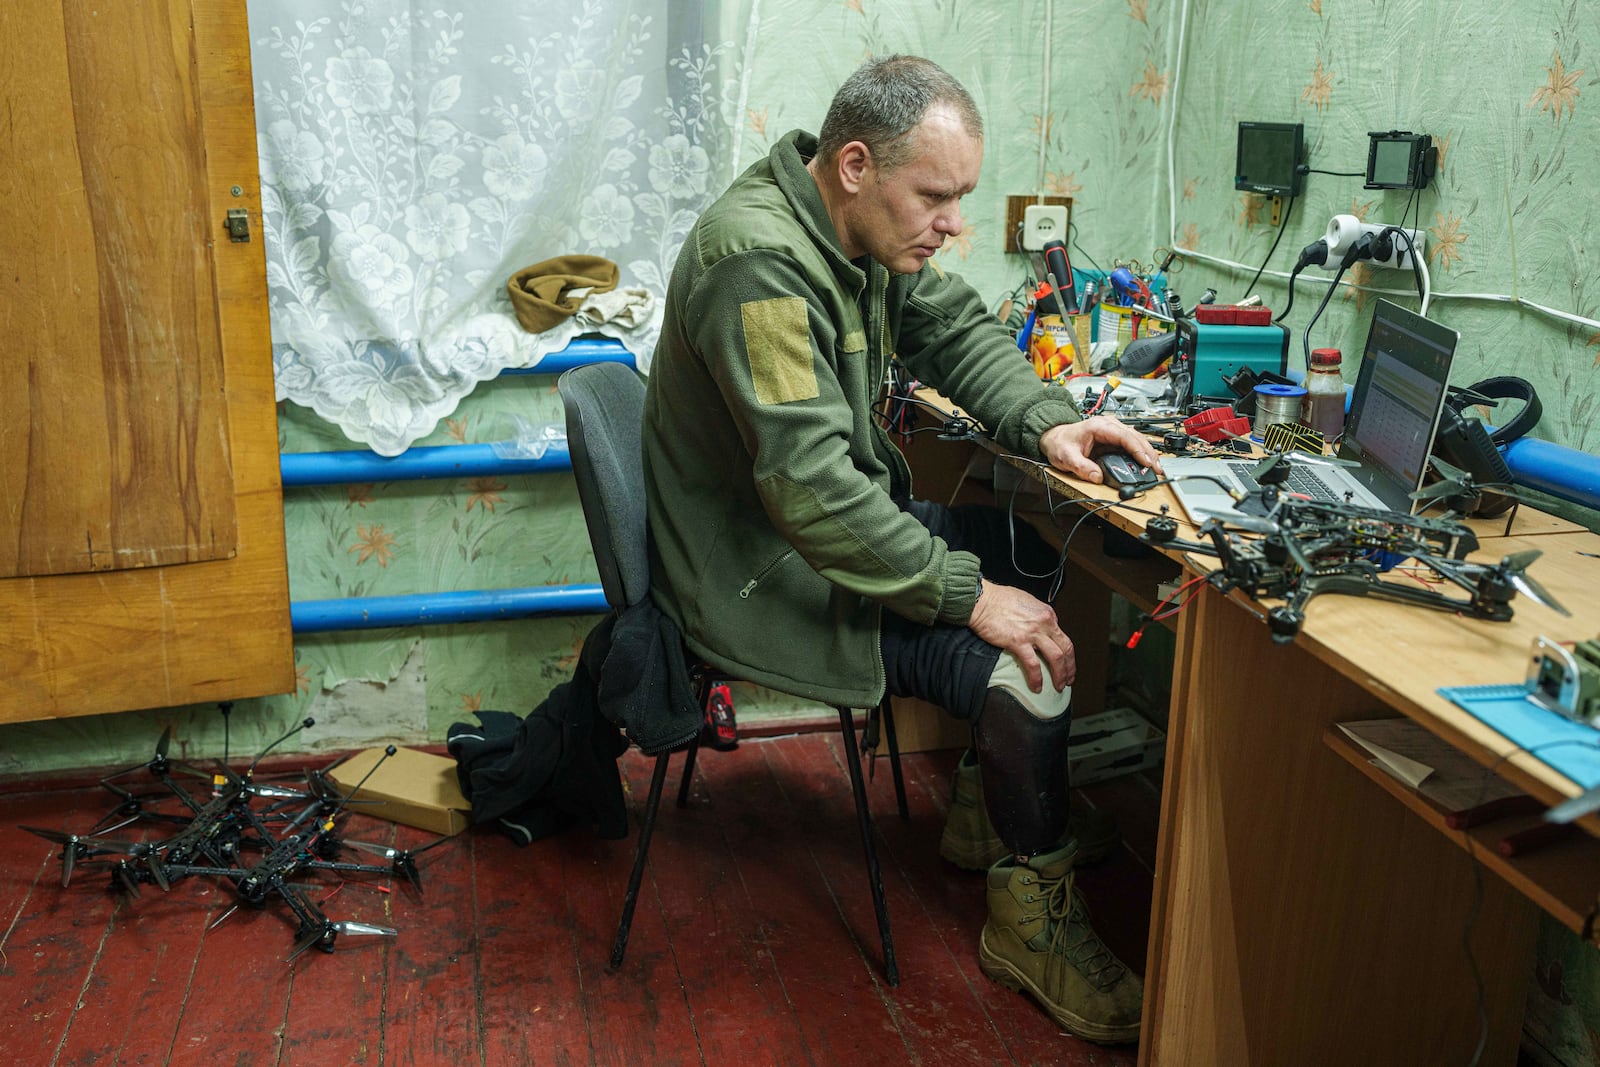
<point>547,294</point>
<point>627,308</point>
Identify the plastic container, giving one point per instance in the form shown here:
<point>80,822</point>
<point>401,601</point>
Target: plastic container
<point>1324,406</point>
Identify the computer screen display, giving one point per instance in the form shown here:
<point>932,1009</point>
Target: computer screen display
<point>1399,393</point>
<point>1268,157</point>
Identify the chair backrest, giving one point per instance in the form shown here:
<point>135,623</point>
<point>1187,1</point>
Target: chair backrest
<point>605,413</point>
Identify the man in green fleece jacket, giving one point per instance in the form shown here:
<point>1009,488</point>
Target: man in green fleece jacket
<point>785,544</point>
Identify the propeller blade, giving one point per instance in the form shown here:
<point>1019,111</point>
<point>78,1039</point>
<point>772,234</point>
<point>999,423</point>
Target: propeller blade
<point>164,744</point>
<point>1449,471</point>
<point>51,835</point>
<point>126,879</point>
<point>1537,593</point>
<point>385,851</point>
<point>1328,461</point>
<point>1266,466</point>
<point>360,929</point>
<point>1518,561</point>
<point>1435,490</point>
<point>279,791</point>
<point>153,862</point>
<point>69,859</point>
<point>114,826</point>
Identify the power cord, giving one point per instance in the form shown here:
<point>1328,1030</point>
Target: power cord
<point>1283,225</point>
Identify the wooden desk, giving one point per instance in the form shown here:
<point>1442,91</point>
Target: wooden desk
<point>1305,911</point>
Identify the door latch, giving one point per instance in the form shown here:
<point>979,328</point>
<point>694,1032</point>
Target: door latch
<point>238,224</point>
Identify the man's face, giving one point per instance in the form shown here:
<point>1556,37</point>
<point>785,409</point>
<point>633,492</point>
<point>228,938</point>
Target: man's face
<point>901,217</point>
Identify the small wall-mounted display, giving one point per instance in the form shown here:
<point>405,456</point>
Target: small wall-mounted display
<point>1269,158</point>
<point>1400,159</point>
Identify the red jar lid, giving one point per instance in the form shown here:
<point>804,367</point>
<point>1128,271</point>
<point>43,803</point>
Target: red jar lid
<point>1325,357</point>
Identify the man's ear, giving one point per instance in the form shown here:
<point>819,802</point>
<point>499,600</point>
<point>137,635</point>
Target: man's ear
<point>854,161</point>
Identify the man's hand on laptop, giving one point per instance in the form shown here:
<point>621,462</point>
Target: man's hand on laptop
<point>1068,447</point>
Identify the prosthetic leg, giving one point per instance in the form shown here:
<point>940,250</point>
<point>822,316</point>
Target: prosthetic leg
<point>1037,938</point>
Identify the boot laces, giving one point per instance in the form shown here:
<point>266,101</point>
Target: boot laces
<point>1072,940</point>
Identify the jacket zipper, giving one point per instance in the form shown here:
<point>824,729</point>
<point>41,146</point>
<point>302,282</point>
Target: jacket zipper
<point>744,594</point>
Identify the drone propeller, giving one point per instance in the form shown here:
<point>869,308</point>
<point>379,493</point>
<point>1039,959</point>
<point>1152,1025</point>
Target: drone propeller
<point>1515,569</point>
<point>403,860</point>
<point>324,936</point>
<point>123,874</point>
<point>69,851</point>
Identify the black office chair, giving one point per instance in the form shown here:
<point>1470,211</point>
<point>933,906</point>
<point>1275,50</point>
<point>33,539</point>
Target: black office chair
<point>605,411</point>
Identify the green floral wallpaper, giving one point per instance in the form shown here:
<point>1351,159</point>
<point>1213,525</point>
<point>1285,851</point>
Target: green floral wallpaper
<point>1509,93</point>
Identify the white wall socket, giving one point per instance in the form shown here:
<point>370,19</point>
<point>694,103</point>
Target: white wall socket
<point>1042,223</point>
<point>1345,230</point>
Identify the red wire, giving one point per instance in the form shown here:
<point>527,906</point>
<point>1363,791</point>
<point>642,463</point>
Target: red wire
<point>1157,616</point>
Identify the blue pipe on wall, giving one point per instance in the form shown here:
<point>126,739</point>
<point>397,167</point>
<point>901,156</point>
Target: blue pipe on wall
<point>427,609</point>
<point>1555,469</point>
<point>580,351</point>
<point>355,466</point>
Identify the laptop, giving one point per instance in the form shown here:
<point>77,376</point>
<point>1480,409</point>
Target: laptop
<point>1394,413</point>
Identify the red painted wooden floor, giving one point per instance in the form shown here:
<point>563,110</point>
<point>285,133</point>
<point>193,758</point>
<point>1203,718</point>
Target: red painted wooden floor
<point>754,942</point>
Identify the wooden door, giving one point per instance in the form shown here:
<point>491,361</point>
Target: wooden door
<point>142,557</point>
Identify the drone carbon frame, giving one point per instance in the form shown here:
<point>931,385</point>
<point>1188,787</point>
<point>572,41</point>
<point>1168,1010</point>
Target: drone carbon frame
<point>1285,546</point>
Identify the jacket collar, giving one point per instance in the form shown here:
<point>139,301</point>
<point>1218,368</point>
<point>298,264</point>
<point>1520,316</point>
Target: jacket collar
<point>789,157</point>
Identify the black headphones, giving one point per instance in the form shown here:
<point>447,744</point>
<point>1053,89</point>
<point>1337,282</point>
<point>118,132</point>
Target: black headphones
<point>1469,444</point>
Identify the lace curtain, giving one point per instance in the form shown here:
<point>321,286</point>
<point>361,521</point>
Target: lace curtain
<point>413,159</point>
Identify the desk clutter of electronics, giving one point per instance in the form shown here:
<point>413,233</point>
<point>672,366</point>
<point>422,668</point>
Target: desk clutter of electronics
<point>1299,485</point>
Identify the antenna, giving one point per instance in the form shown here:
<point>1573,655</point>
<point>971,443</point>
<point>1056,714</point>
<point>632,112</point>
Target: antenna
<point>308,721</point>
<point>387,752</point>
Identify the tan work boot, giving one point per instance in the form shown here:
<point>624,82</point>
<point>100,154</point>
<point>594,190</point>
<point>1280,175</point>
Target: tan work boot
<point>969,840</point>
<point>1038,940</point>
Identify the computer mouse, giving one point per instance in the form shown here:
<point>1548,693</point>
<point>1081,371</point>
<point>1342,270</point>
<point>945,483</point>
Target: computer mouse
<point>1122,469</point>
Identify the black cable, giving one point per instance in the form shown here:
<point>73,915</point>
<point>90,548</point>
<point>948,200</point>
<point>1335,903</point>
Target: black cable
<point>1282,226</point>
<point>1335,173</point>
<point>1072,235</point>
<point>1305,337</point>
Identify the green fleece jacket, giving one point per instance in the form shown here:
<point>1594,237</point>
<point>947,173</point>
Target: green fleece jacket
<point>771,487</point>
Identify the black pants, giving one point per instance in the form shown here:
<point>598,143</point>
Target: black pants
<point>950,665</point>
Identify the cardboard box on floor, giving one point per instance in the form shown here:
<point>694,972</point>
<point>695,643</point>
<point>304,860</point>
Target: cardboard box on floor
<point>414,789</point>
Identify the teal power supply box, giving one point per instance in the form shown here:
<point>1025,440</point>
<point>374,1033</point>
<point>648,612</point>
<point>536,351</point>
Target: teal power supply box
<point>1222,350</point>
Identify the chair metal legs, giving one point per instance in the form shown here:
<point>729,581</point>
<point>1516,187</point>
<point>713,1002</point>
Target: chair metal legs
<point>885,711</point>
<point>852,760</point>
<point>657,780</point>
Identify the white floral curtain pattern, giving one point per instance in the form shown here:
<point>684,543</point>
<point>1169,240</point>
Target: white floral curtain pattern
<point>413,159</point>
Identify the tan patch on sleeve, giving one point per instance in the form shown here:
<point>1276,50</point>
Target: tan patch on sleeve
<point>777,342</point>
<point>854,341</point>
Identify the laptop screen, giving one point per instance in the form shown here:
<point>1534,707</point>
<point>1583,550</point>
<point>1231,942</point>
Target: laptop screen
<point>1399,394</point>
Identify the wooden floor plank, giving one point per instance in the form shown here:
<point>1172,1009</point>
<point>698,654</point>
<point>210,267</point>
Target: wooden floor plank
<point>754,942</point>
<point>637,1014</point>
<point>431,1010</point>
<point>734,994</point>
<point>528,980</point>
<point>939,1014</point>
<point>53,933</point>
<point>832,983</point>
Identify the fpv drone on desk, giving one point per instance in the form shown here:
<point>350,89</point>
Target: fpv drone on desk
<point>258,850</point>
<point>1282,545</point>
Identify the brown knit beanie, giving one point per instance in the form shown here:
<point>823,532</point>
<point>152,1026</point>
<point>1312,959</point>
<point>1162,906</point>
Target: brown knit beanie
<point>540,293</point>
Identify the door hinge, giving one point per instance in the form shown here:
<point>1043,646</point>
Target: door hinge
<point>238,225</point>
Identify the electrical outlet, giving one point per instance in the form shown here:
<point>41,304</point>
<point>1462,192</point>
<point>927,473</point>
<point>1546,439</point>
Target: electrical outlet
<point>1042,223</point>
<point>1017,207</point>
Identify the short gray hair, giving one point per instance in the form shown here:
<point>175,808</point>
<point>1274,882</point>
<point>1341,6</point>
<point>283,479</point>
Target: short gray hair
<point>884,100</point>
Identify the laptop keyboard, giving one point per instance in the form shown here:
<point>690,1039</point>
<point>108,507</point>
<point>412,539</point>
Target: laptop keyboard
<point>1301,481</point>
